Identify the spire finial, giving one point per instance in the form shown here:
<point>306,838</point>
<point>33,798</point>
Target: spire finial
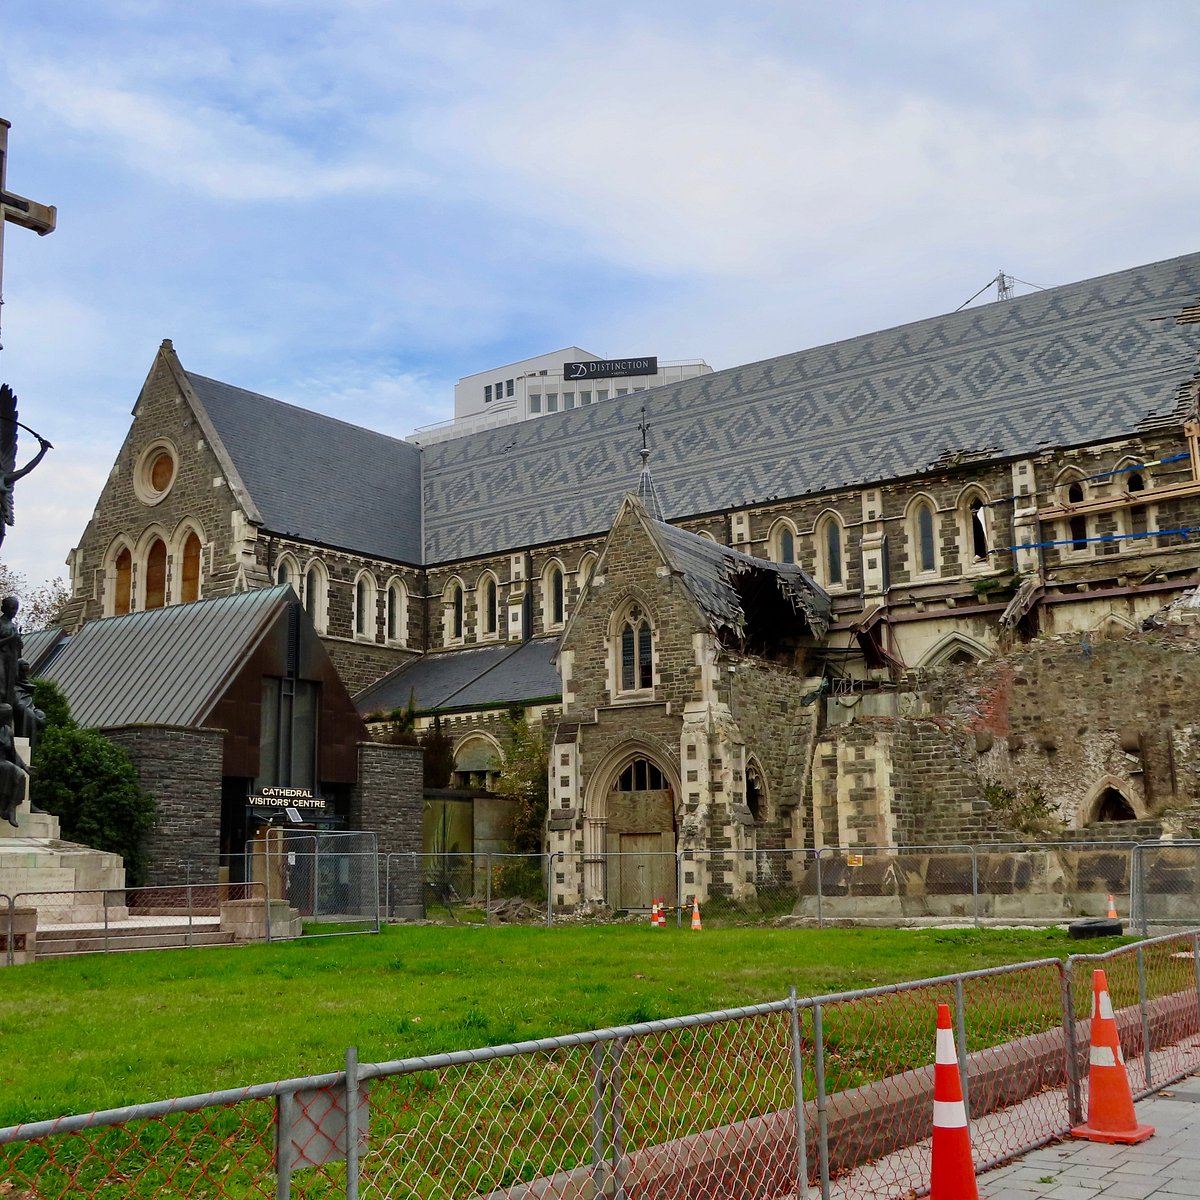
<point>647,492</point>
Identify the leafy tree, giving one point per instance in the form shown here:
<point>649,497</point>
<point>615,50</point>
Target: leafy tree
<point>90,785</point>
<point>49,697</point>
<point>525,778</point>
<point>438,756</point>
<point>40,606</point>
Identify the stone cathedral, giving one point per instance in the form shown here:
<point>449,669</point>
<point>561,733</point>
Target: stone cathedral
<point>852,584</point>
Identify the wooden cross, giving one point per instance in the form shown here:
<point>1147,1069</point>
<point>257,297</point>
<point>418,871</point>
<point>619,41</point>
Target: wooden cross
<point>41,218</point>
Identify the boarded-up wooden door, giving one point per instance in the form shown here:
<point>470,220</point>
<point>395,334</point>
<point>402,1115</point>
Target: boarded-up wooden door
<point>641,869</point>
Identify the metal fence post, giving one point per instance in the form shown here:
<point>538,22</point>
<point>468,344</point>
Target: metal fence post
<point>104,900</point>
<point>820,915</point>
<point>679,889</point>
<point>285,1108</point>
<point>798,1088</point>
<point>975,884</point>
<point>963,1056</point>
<point>1141,970</point>
<point>1070,1047</point>
<point>599,1156</point>
<point>352,1123</point>
<point>550,887</point>
<point>822,1110</point>
<point>1140,873</point>
<point>487,889</point>
<point>9,953</point>
<point>189,904</point>
<point>617,1111</point>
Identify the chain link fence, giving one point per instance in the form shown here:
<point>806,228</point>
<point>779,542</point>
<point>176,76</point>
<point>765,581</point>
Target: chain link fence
<point>52,924</point>
<point>1150,884</point>
<point>330,879</point>
<point>830,1095</point>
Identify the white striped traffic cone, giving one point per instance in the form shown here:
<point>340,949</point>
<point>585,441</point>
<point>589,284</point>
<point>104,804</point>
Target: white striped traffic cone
<point>953,1173</point>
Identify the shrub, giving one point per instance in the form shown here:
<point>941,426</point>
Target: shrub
<point>93,789</point>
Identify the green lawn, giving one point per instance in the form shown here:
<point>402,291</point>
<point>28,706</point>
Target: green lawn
<point>86,1033</point>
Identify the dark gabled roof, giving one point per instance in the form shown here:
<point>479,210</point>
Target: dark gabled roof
<point>166,666</point>
<point>1083,363</point>
<point>316,478</point>
<point>38,648</point>
<point>479,677</point>
<point>718,578</point>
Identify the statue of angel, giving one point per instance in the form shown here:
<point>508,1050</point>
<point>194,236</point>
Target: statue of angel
<point>8,455</point>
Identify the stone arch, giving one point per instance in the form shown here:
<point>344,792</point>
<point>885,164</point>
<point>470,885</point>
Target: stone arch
<point>554,595</point>
<point>783,541</point>
<point>487,605</point>
<point>921,523</point>
<point>829,546</point>
<point>118,577</point>
<point>632,627</point>
<point>187,550</point>
<point>974,509</point>
<point>453,612</point>
<point>758,794</point>
<point>587,568</point>
<point>396,614</point>
<point>1072,488</point>
<point>316,594</point>
<point>1111,799</point>
<point>287,570</point>
<point>954,648</point>
<point>1111,626</point>
<point>1138,520</point>
<point>152,563</point>
<point>630,835</point>
<point>478,757</point>
<point>366,606</point>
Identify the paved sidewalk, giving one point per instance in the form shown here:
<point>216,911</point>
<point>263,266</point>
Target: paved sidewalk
<point>1165,1167</point>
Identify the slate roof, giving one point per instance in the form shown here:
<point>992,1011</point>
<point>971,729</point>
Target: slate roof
<point>474,678</point>
<point>1072,365</point>
<point>166,666</point>
<point>711,573</point>
<point>319,479</point>
<point>37,648</point>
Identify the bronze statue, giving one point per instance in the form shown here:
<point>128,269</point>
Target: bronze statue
<point>8,454</point>
<point>28,720</point>
<point>13,769</point>
<point>10,650</point>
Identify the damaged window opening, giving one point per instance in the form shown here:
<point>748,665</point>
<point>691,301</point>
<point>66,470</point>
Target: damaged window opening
<point>1138,514</point>
<point>1078,524</point>
<point>1112,806</point>
<point>979,537</point>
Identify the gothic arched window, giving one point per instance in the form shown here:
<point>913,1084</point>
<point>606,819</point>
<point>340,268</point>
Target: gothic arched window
<point>637,652</point>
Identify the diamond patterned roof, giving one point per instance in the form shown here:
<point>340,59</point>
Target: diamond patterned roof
<point>1083,363</point>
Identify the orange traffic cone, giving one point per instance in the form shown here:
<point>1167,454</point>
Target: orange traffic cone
<point>1112,907</point>
<point>654,915</point>
<point>696,913</point>
<point>953,1173</point>
<point>1110,1115</point>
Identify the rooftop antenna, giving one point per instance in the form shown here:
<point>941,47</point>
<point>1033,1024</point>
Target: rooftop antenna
<point>647,492</point>
<point>1005,286</point>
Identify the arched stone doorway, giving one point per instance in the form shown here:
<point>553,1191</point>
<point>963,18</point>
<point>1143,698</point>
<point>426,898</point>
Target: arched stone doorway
<point>630,833</point>
<point>1111,805</point>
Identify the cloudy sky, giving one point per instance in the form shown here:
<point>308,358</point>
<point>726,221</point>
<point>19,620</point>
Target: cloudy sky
<point>348,204</point>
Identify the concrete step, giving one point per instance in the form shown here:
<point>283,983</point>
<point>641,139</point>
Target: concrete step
<point>55,943</point>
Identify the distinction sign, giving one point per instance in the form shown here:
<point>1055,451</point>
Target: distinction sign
<point>286,797</point>
<point>611,368</point>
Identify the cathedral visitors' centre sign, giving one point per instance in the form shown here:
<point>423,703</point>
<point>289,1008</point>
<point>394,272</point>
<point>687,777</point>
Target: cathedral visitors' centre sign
<point>286,797</point>
<point>611,368</point>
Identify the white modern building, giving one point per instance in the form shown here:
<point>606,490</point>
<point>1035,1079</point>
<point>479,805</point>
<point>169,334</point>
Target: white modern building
<point>554,382</point>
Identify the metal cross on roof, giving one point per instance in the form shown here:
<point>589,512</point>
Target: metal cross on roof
<point>647,492</point>
<point>41,218</point>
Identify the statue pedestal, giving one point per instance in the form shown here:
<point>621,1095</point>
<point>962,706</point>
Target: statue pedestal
<point>63,881</point>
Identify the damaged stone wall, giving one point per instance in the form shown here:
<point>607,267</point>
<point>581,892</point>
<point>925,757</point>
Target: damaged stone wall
<point>898,781</point>
<point>1069,718</point>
